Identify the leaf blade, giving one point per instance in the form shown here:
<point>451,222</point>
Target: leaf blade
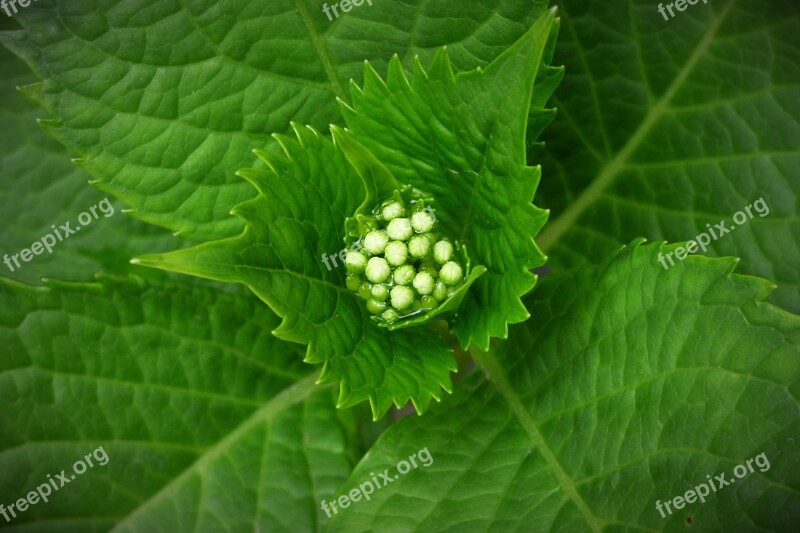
<point>635,384</point>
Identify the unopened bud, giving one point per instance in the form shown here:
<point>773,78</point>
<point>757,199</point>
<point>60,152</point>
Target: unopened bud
<point>396,253</point>
<point>422,221</point>
<point>377,270</point>
<point>424,283</point>
<point>355,262</point>
<point>399,229</point>
<point>403,275</point>
<point>402,297</point>
<point>375,307</point>
<point>419,246</point>
<point>442,252</point>
<point>440,291</point>
<point>380,292</point>
<point>451,273</point>
<point>393,210</point>
<point>375,242</point>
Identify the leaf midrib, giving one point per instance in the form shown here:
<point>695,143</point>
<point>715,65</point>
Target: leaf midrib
<point>550,236</point>
<point>322,52</point>
<point>279,403</point>
<point>495,374</point>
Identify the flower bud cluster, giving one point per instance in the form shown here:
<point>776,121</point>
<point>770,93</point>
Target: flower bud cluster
<point>403,268</point>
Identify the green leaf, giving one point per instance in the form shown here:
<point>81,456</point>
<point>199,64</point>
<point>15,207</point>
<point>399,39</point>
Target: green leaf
<point>40,188</point>
<point>164,101</point>
<point>461,140</point>
<point>633,384</point>
<point>672,125</point>
<point>207,420</point>
<point>287,256</point>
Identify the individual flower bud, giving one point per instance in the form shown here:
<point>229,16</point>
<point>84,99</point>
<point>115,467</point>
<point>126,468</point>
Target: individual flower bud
<point>442,252</point>
<point>393,210</point>
<point>399,229</point>
<point>419,246</point>
<point>422,221</point>
<point>402,297</point>
<point>415,306</point>
<point>424,283</point>
<point>450,274</point>
<point>380,292</point>
<point>428,303</point>
<point>396,253</point>
<point>355,262</point>
<point>440,291</point>
<point>375,242</point>
<point>404,274</point>
<point>365,290</point>
<point>390,315</point>
<point>354,282</point>
<point>375,307</point>
<point>378,270</point>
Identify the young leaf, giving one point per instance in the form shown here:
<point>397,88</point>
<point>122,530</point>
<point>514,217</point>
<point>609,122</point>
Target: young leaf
<point>674,125</point>
<point>633,384</point>
<point>289,256</point>
<point>180,92</point>
<point>204,417</point>
<point>461,139</point>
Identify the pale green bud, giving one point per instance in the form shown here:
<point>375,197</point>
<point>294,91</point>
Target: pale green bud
<point>354,282</point>
<point>440,291</point>
<point>380,292</point>
<point>396,253</point>
<point>428,303</point>
<point>399,229</point>
<point>419,246</point>
<point>390,315</point>
<point>355,262</point>
<point>378,270</point>
<point>422,221</point>
<point>404,274</point>
<point>375,307</point>
<point>393,210</point>
<point>375,242</point>
<point>424,283</point>
<point>451,273</point>
<point>402,297</point>
<point>442,252</point>
<point>365,290</point>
